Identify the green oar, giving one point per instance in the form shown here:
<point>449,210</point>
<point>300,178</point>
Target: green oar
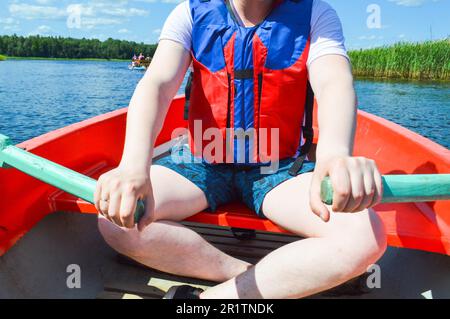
<point>404,188</point>
<point>51,173</point>
<point>397,188</point>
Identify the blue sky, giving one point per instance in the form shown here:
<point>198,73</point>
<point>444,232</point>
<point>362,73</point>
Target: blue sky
<point>367,23</point>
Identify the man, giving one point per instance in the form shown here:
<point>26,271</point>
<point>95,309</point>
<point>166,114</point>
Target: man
<point>252,61</point>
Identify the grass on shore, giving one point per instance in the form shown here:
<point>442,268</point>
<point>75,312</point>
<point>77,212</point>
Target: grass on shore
<point>65,59</point>
<point>2,57</point>
<point>413,61</point>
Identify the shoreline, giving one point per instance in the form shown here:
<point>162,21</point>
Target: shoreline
<point>358,77</point>
<point>355,72</point>
<point>17,58</point>
<point>363,77</point>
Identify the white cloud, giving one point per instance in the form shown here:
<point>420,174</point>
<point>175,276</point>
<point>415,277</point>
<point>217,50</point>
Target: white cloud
<point>90,23</point>
<point>44,1</point>
<point>30,12</point>
<point>411,3</point>
<point>116,9</point>
<point>124,12</point>
<point>41,30</point>
<point>370,37</point>
<point>10,24</point>
<point>91,14</point>
<point>11,28</point>
<point>162,1</point>
<point>98,9</point>
<point>8,21</point>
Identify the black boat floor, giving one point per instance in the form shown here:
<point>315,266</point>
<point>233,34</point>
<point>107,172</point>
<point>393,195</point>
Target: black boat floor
<point>153,284</point>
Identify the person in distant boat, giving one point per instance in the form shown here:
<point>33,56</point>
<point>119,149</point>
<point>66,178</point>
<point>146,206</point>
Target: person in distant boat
<point>134,61</point>
<point>252,61</point>
<point>141,57</point>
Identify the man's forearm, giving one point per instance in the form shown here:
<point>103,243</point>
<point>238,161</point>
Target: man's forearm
<point>146,114</point>
<point>332,82</point>
<point>337,120</point>
<point>150,102</point>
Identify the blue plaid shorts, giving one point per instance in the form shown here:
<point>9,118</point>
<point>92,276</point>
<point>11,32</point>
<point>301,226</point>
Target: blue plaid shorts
<point>225,183</point>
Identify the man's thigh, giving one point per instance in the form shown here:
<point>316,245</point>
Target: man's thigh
<point>288,206</point>
<point>176,197</point>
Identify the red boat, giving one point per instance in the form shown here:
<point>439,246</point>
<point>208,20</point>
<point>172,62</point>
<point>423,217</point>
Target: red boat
<point>95,146</point>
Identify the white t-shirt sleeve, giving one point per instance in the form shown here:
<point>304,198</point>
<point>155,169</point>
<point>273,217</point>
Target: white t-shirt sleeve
<point>178,26</point>
<point>327,36</point>
<point>326,30</point>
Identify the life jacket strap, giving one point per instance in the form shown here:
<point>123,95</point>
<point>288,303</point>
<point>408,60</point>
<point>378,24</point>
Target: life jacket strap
<point>307,131</point>
<point>229,101</point>
<point>187,94</point>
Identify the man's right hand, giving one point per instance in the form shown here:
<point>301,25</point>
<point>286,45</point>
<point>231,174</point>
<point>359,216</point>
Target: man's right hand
<point>117,194</point>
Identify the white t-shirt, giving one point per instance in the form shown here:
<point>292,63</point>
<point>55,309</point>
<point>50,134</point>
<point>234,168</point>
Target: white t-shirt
<point>326,30</point>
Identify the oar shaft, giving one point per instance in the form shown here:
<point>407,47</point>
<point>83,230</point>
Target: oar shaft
<point>404,188</point>
<point>51,173</point>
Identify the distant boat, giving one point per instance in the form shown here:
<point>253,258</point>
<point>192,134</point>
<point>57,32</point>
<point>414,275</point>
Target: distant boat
<point>141,65</point>
<point>138,68</point>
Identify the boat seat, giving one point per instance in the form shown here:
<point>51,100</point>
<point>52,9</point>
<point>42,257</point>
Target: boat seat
<point>236,215</point>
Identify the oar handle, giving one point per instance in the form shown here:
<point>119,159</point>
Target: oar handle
<point>53,174</point>
<point>404,188</point>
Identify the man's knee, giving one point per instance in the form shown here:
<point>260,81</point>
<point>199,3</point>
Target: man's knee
<point>362,241</point>
<point>129,242</point>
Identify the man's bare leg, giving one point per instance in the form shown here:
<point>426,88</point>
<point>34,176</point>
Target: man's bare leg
<point>334,252</point>
<point>167,245</point>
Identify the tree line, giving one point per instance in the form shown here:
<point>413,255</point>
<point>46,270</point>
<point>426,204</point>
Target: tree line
<point>70,48</point>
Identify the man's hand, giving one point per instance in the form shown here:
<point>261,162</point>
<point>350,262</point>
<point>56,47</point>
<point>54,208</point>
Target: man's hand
<point>118,192</point>
<point>356,181</point>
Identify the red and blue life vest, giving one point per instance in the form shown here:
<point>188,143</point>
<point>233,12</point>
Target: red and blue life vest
<point>248,78</point>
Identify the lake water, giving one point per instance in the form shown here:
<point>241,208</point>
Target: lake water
<point>39,96</point>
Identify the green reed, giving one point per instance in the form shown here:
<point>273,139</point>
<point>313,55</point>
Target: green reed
<point>2,57</point>
<point>415,61</point>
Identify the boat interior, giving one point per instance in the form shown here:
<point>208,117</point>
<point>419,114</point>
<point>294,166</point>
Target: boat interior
<point>37,267</point>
